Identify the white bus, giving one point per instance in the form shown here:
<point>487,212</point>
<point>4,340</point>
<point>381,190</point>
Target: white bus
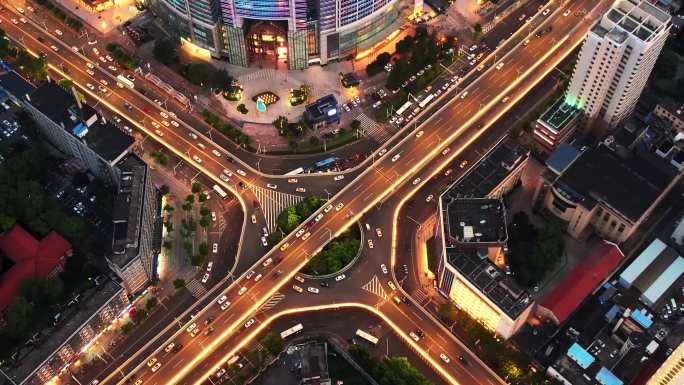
<point>296,171</point>
<point>368,337</point>
<point>220,191</point>
<point>404,107</point>
<point>427,100</point>
<point>295,329</point>
<point>124,80</point>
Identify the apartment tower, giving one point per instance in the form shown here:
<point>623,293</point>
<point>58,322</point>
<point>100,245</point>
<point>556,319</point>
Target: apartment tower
<point>615,61</point>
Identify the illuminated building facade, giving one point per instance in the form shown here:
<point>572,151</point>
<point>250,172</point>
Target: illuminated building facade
<point>671,372</point>
<point>300,32</point>
<point>616,60</point>
<point>472,237</point>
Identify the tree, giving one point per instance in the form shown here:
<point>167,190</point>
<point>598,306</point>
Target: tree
<point>242,108</point>
<point>281,124</point>
<point>204,222</point>
<point>196,187</point>
<point>66,84</point>
<point>447,312</point>
<point>398,371</point>
<point>190,199</point>
<point>19,316</point>
<point>197,260</point>
<point>221,79</point>
<point>364,357</point>
<point>273,343</point>
<point>140,315</point>
<point>127,327</point>
<point>168,208</point>
<point>203,249</point>
<point>477,30</point>
<point>151,303</point>
<point>165,51</point>
<point>204,211</point>
<point>288,220</point>
<point>202,197</point>
<point>197,73</point>
<point>35,68</point>
<point>179,283</point>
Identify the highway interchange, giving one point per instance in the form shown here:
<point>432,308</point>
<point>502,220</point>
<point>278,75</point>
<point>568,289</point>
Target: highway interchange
<point>406,161</point>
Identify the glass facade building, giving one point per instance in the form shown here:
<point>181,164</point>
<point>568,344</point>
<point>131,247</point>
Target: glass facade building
<point>299,31</point>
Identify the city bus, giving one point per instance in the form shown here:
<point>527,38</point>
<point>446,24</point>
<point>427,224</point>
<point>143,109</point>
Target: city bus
<point>325,162</point>
<point>296,171</point>
<point>293,330</point>
<point>124,80</point>
<point>427,100</point>
<point>370,338</point>
<point>404,107</point>
<point>220,191</point>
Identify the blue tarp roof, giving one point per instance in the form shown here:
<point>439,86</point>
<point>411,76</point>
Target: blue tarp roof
<point>562,157</point>
<point>80,130</point>
<point>610,315</point>
<point>606,377</point>
<point>641,319</point>
<point>581,356</point>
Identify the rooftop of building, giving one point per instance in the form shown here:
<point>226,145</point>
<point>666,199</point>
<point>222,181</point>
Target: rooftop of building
<point>498,287</point>
<point>637,18</point>
<point>32,356</point>
<point>577,285</point>
<point>313,361</point>
<point>15,84</point>
<point>81,121</point>
<point>490,171</point>
<point>562,158</point>
<point>31,258</point>
<point>605,174</point>
<point>676,109</point>
<point>128,209</point>
<point>559,114</point>
<point>321,106</point>
<point>474,220</point>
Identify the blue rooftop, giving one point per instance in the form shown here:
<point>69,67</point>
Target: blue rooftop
<point>606,377</point>
<point>641,319</point>
<point>80,130</point>
<point>580,356</point>
<point>562,157</point>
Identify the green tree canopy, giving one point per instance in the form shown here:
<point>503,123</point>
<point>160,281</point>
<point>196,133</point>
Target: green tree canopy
<point>165,51</point>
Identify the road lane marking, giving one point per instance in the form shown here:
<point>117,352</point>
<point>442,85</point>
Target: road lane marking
<point>178,363</point>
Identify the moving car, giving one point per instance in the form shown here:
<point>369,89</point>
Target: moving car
<point>214,248</point>
<point>151,362</point>
<point>272,186</point>
<point>205,278</point>
<point>225,305</point>
<point>339,206</point>
<point>169,347</point>
<point>338,177</point>
<point>383,267</point>
<point>297,289</point>
<point>242,290</point>
<point>249,323</point>
<point>370,244</point>
<point>222,299</point>
<point>391,285</point>
<point>156,367</point>
<point>314,290</point>
<point>340,277</point>
<point>444,358</point>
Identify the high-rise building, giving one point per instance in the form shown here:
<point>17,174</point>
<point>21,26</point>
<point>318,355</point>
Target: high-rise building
<point>616,60</point>
<point>300,32</point>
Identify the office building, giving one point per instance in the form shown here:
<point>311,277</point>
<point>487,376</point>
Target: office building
<point>556,126</point>
<point>299,32</point>
<point>471,241</point>
<point>587,189</point>
<point>615,62</point>
<point>49,351</point>
<point>76,130</point>
<point>672,113</point>
<point>136,238</point>
<point>671,372</point>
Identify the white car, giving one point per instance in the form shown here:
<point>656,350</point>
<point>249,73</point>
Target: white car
<point>90,72</point>
<point>102,59</point>
<point>196,159</point>
<point>250,274</point>
<point>120,85</point>
<point>165,122</point>
<point>299,233</point>
<point>58,32</point>
<point>314,290</point>
<point>566,13</point>
<point>220,372</point>
<point>340,277</point>
<point>419,134</point>
<point>318,217</point>
<point>391,285</point>
<point>241,172</point>
<point>225,305</point>
<point>338,177</point>
<point>339,206</point>
<point>214,248</point>
<point>104,82</point>
<point>267,262</point>
<point>112,68</point>
<point>214,151</point>
<point>499,66</point>
<point>156,367</point>
<point>505,99</point>
<point>272,186</point>
<point>210,265</point>
<point>258,277</point>
<point>96,51</point>
<point>370,244</point>
<point>444,358</point>
<point>464,94</point>
<point>242,290</point>
<point>158,132</point>
<point>90,86</point>
<point>191,327</point>
<point>298,289</point>
<point>102,89</point>
<point>382,152</point>
<point>414,336</point>
<point>164,114</point>
<point>264,241</point>
<point>90,65</point>
<point>109,58</point>
<point>328,208</point>
<point>300,190</point>
<point>192,135</point>
<point>222,299</point>
<point>396,157</point>
<point>174,123</point>
<point>383,267</point>
<point>205,278</point>
<point>378,232</point>
<point>213,216</point>
<point>54,48</point>
<point>546,11</point>
<point>292,180</point>
<point>416,181</point>
<point>249,323</point>
<point>224,177</point>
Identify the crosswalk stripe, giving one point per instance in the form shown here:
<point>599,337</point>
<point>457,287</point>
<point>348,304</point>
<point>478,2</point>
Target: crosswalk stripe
<point>272,302</point>
<point>195,288</point>
<point>273,203</point>
<point>419,296</point>
<point>371,128</point>
<point>374,286</point>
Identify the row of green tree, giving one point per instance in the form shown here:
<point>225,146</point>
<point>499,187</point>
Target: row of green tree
<point>57,12</point>
<point>227,129</point>
<point>337,254</point>
<point>34,68</point>
<point>122,57</point>
<point>290,218</point>
<point>388,371</point>
<point>200,74</point>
